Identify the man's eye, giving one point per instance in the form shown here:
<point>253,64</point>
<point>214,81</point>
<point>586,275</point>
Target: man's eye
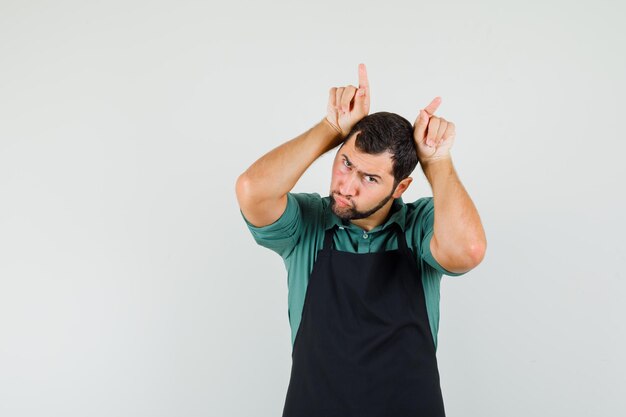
<point>368,178</point>
<point>346,163</point>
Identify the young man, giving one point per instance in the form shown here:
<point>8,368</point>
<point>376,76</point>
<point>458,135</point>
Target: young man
<point>364,268</point>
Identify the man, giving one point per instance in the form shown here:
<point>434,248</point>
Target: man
<point>364,268</point>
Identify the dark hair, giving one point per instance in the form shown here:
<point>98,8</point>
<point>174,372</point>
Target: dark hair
<point>384,131</point>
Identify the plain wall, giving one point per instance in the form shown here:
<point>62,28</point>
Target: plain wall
<point>129,284</point>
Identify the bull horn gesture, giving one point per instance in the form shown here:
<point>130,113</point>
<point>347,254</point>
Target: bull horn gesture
<point>433,135</point>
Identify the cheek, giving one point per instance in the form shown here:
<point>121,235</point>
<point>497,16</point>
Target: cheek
<point>337,174</point>
<point>333,180</point>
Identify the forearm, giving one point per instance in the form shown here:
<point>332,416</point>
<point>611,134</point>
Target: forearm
<point>277,172</point>
<point>458,231</point>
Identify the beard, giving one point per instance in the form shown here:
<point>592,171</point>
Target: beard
<point>350,212</point>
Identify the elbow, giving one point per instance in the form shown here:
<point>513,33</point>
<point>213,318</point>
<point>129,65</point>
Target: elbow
<point>459,257</point>
<point>243,188</point>
<point>249,192</point>
<point>240,184</point>
<point>476,252</point>
<point>470,256</point>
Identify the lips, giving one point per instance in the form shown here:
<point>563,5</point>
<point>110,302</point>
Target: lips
<point>341,201</point>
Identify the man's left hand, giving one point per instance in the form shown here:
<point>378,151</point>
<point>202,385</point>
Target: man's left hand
<point>433,135</point>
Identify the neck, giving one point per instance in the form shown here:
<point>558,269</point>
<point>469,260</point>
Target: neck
<point>376,219</point>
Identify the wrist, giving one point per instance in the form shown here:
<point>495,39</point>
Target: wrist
<point>442,159</point>
<point>327,136</point>
<point>337,129</point>
<point>433,166</point>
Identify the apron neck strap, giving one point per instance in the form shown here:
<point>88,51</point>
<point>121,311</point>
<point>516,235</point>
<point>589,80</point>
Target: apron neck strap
<point>328,237</point>
<point>401,239</point>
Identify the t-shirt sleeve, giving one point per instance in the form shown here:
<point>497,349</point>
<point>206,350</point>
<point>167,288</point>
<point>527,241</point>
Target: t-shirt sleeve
<point>428,221</point>
<point>282,235</point>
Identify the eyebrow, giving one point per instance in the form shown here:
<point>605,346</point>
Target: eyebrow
<point>361,172</point>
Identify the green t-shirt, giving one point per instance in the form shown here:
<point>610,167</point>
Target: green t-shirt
<point>298,235</point>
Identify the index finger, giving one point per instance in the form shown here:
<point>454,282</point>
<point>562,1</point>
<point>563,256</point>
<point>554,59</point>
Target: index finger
<point>363,82</point>
<point>432,107</point>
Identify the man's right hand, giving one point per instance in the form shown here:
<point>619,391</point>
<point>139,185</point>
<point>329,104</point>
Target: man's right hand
<point>347,105</point>
<point>262,189</point>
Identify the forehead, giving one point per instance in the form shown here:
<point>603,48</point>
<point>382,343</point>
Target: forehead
<point>381,164</point>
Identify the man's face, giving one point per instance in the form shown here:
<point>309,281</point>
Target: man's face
<point>361,183</point>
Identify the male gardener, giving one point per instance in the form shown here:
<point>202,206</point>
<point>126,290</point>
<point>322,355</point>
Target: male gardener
<point>364,268</point>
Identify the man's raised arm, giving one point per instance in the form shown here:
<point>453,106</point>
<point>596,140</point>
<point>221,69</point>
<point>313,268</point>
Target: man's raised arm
<point>459,242</point>
<point>262,189</point>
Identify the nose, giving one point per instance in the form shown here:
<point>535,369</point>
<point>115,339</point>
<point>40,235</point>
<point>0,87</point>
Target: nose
<point>348,186</point>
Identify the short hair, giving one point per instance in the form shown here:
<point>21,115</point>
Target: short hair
<point>385,131</point>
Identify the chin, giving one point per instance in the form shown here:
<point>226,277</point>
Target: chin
<point>345,215</point>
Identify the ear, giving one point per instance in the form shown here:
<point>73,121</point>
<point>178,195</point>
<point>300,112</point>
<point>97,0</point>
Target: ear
<point>402,186</point>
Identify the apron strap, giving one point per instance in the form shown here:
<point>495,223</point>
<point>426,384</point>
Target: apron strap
<point>402,245</point>
<point>328,238</point>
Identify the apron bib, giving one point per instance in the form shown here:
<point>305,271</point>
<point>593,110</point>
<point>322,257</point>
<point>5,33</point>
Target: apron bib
<point>364,347</point>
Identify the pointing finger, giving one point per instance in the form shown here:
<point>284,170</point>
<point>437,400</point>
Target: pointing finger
<point>362,99</point>
<point>363,81</point>
<point>432,107</point>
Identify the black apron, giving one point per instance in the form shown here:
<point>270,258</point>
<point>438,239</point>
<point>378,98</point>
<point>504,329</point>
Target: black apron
<point>364,346</point>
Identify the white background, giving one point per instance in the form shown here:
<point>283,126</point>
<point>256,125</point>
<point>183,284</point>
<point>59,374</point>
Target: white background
<point>129,284</point>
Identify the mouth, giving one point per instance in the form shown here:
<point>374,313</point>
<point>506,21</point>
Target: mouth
<point>342,202</point>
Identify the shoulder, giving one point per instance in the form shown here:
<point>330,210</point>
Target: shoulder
<point>308,201</point>
<point>419,203</point>
<point>303,216</point>
<point>418,211</point>
<point>312,208</point>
